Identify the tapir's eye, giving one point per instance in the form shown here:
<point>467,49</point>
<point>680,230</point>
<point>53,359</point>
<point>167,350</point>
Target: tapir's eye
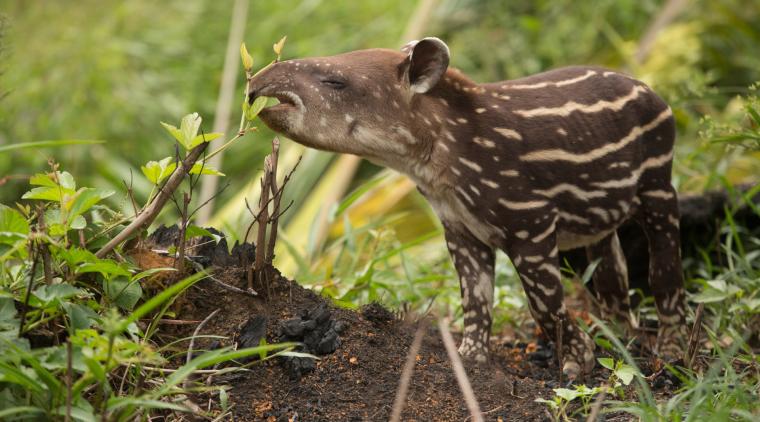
<point>333,83</point>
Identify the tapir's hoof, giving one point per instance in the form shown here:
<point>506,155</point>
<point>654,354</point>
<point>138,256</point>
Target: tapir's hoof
<point>578,359</point>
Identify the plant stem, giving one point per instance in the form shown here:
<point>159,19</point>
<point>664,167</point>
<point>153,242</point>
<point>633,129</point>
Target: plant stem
<point>151,211</point>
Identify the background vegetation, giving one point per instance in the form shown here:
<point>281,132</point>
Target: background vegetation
<point>111,70</point>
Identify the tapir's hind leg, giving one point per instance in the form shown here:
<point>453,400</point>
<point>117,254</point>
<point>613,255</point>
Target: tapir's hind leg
<point>658,216</point>
<point>610,279</point>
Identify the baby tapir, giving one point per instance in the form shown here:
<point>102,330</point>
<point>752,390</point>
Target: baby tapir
<point>531,166</point>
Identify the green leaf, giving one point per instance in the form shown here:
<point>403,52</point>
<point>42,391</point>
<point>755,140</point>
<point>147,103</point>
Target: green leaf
<point>566,394</point>
<point>217,356</point>
<point>106,267</point>
<point>551,403</point>
<point>157,300</point>
<point>176,133</point>
<point>603,343</point>
<point>258,104</point>
<point>246,58</point>
<point>75,256</point>
<point>608,363</point>
<point>80,316</point>
<point>204,137</point>
<point>277,47</point>
<point>48,193</point>
<point>189,127</point>
<point>47,294</point>
<point>589,272</point>
<point>41,179</point>
<point>626,373</point>
<point>201,168</point>
<point>119,402</point>
<point>13,226</point>
<point>85,199</point>
<point>66,180</point>
<point>78,413</point>
<point>123,292</point>
<point>157,171</point>
<point>26,411</point>
<point>147,273</point>
<point>195,231</point>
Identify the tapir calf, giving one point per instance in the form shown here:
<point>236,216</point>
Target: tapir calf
<point>531,166</point>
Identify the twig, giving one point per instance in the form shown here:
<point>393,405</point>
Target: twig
<point>43,247</point>
<point>459,372</point>
<point>258,264</point>
<point>277,197</point>
<point>597,406</point>
<point>192,343</point>
<point>25,308</point>
<point>691,351</point>
<point>406,374</point>
<point>151,211</point>
<point>182,243</point>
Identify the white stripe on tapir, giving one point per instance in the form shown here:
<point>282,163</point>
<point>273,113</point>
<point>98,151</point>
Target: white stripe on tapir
<point>562,155</point>
<point>588,74</point>
<point>571,106</point>
<point>635,174</point>
<point>579,193</point>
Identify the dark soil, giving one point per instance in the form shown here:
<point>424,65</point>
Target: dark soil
<point>361,356</point>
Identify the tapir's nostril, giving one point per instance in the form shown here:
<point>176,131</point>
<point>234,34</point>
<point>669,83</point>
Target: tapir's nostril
<point>251,96</point>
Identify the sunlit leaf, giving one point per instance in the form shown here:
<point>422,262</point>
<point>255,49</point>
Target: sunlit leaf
<point>204,137</point>
<point>189,127</point>
<point>608,363</point>
<point>258,104</point>
<point>13,226</point>
<point>157,171</point>
<point>246,58</point>
<point>176,133</point>
<point>277,47</point>
<point>204,168</point>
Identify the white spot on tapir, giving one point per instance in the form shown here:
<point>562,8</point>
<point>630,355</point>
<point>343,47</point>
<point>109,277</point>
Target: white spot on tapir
<point>471,164</point>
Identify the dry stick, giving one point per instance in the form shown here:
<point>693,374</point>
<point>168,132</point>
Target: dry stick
<point>43,247</point>
<point>406,374</point>
<point>151,211</point>
<point>179,264</point>
<point>261,235</point>
<point>597,406</point>
<point>459,372</point>
<point>277,197</point>
<point>691,351</point>
<point>25,308</point>
<point>192,343</point>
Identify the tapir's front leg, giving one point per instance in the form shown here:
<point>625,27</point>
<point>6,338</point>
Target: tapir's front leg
<point>474,262</point>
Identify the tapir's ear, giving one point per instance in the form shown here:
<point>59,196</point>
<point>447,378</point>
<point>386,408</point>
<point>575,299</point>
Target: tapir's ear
<point>427,60</point>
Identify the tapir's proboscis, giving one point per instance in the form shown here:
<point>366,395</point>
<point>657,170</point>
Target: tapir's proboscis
<point>531,166</point>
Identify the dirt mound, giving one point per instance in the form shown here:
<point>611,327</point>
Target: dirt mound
<point>357,379</point>
<point>361,356</point>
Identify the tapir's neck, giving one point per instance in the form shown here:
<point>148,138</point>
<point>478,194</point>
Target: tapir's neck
<point>439,119</point>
